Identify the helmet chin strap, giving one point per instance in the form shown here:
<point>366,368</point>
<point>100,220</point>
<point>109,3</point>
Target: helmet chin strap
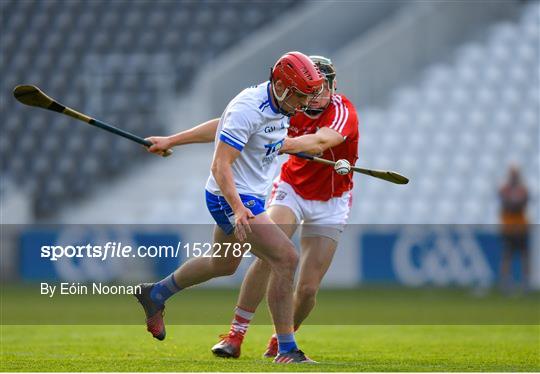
<point>279,100</point>
<point>283,95</point>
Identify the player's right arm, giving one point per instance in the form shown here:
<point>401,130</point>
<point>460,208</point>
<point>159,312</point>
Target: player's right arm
<point>314,144</point>
<point>222,171</point>
<point>203,133</point>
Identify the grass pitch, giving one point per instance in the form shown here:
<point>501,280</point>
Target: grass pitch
<point>337,348</point>
<point>349,330</point>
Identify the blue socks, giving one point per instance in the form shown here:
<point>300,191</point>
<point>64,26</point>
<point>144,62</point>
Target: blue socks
<point>286,342</point>
<point>164,289</point>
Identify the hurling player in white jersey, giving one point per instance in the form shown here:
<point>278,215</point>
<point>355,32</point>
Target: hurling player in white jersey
<point>305,193</point>
<point>249,135</point>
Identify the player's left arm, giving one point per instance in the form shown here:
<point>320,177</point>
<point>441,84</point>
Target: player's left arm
<point>203,133</point>
<point>314,144</point>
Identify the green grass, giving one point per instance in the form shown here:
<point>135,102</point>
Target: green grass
<point>378,329</point>
<point>359,306</point>
<point>337,348</point>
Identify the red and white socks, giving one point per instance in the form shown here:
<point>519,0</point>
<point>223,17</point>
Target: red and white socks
<point>240,323</point>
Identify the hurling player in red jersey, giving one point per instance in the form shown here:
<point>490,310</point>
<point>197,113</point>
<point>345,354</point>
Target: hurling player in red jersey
<point>309,194</point>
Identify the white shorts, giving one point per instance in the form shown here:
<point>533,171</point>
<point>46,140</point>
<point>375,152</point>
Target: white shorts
<point>318,218</point>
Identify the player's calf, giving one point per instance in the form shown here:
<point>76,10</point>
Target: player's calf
<point>306,293</point>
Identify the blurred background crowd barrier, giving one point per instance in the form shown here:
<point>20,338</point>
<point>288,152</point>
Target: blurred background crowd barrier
<point>448,93</point>
<point>466,256</point>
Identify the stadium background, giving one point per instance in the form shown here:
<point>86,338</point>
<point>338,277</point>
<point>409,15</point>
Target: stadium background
<point>447,94</point>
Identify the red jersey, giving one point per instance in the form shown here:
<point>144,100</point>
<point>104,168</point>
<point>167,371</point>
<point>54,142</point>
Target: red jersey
<point>315,181</point>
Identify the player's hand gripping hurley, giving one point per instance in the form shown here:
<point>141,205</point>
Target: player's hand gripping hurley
<point>33,96</point>
<point>389,176</point>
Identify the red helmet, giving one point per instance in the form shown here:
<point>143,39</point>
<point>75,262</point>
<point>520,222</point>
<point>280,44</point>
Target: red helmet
<point>297,71</point>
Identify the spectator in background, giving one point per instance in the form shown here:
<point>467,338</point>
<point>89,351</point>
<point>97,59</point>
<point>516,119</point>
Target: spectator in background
<point>514,228</point>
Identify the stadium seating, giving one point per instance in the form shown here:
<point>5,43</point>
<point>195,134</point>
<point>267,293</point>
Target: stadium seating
<point>456,131</point>
<point>113,59</point>
<point>453,130</point>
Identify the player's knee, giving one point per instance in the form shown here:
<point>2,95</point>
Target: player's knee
<point>289,259</point>
<point>224,268</point>
<point>306,292</point>
<point>261,265</point>
<point>229,270</point>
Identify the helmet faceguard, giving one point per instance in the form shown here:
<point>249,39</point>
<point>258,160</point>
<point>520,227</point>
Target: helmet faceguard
<point>323,100</point>
<point>299,77</point>
<point>286,108</point>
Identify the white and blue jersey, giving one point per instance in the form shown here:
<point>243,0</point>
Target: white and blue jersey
<point>252,125</point>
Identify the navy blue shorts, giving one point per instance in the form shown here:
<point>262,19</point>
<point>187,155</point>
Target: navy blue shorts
<point>222,212</point>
